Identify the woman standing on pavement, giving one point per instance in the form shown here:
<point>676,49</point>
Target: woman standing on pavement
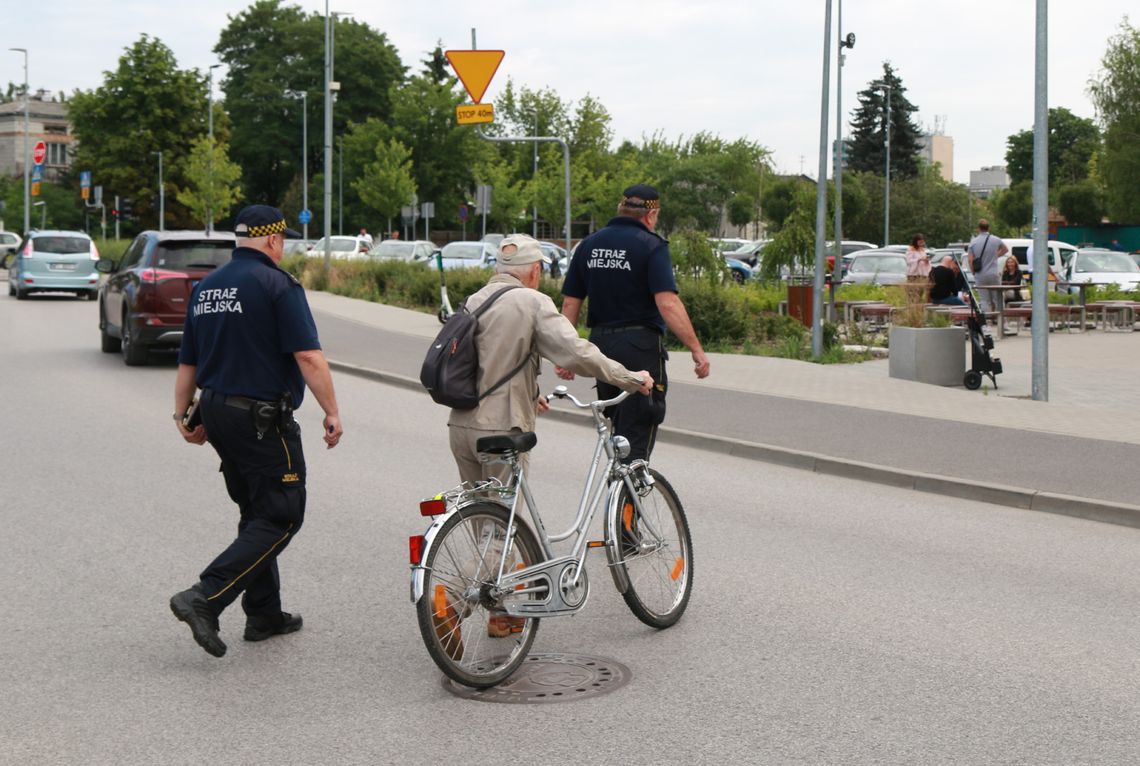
<point>917,270</point>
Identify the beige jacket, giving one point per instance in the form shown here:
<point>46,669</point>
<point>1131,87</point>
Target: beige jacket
<point>520,323</point>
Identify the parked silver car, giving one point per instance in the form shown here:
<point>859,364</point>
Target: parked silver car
<point>877,267</point>
<point>403,250</point>
<point>56,262</point>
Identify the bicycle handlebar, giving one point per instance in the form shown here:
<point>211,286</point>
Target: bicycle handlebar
<point>560,392</point>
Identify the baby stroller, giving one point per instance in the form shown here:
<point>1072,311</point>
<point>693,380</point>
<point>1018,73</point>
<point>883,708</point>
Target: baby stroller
<point>982,362</point>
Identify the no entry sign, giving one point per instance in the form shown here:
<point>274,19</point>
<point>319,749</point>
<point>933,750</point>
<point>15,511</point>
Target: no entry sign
<point>39,153</point>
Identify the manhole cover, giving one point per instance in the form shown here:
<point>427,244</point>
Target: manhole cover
<point>551,678</point>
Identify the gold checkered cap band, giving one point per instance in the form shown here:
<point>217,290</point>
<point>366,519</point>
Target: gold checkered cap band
<point>648,204</point>
<point>265,230</point>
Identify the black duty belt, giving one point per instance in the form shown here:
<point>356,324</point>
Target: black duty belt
<point>625,328</point>
<point>239,402</point>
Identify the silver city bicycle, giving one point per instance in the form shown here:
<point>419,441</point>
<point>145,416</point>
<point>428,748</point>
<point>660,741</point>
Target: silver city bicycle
<point>482,579</point>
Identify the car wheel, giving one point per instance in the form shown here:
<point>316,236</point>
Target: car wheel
<point>737,277</point>
<point>108,343</point>
<point>21,294</point>
<point>11,288</point>
<point>134,355</point>
<point>92,295</point>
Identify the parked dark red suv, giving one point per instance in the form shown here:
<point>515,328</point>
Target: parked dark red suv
<point>142,304</point>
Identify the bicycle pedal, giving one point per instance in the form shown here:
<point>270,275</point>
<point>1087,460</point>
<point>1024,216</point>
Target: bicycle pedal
<point>596,544</point>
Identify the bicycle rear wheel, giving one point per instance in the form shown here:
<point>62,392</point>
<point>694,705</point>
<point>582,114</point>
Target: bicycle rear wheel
<point>464,626</point>
<point>655,550</point>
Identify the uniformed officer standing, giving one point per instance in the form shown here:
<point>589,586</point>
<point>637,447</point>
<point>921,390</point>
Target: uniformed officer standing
<point>251,345</point>
<point>627,273</point>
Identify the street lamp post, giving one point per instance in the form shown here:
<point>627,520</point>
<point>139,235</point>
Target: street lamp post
<point>844,42</point>
<point>161,195</point>
<point>27,147</point>
<point>328,142</point>
<point>42,205</point>
<point>210,156</point>
<point>340,188</point>
<point>887,183</point>
<point>304,96</point>
<point>821,193</point>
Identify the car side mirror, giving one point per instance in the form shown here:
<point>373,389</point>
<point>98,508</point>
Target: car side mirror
<point>105,265</point>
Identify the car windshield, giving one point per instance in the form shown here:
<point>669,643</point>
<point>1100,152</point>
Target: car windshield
<point>878,264</point>
<point>339,245</point>
<point>1106,263</point>
<point>470,252</point>
<point>390,249</point>
<point>192,255</point>
<point>61,245</point>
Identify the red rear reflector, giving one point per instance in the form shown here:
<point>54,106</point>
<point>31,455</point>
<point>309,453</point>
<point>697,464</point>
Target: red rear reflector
<point>433,507</point>
<point>160,275</point>
<point>416,544</point>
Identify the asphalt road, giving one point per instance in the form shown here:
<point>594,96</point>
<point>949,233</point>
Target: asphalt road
<point>832,621</point>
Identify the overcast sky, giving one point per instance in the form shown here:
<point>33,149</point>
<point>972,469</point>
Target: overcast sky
<point>731,67</point>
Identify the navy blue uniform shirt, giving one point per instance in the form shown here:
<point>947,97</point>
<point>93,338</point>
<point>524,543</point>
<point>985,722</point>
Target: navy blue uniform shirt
<point>243,324</point>
<point>620,268</point>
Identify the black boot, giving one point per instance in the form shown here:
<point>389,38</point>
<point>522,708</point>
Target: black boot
<point>191,607</point>
<point>261,627</point>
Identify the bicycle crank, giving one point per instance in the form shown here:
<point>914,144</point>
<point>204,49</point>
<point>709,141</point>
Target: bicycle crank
<point>531,592</point>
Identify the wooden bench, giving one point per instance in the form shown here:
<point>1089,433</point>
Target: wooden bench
<point>1112,316</point>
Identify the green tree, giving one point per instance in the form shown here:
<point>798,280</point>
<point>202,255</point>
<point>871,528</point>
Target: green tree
<point>147,104</point>
<point>509,196</point>
<point>867,129</point>
<point>444,154</point>
<point>793,247</point>
<point>780,196</point>
<point>1072,142</point>
<point>1014,206</point>
<point>1116,94</point>
<point>63,208</point>
<point>270,48</point>
<point>212,190</point>
<point>1081,203</point>
<point>386,184</point>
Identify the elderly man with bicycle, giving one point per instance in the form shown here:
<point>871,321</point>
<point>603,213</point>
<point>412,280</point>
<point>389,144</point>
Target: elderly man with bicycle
<point>522,326</point>
<point>483,578</point>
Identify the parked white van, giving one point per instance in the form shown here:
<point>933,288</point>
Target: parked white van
<point>1059,254</point>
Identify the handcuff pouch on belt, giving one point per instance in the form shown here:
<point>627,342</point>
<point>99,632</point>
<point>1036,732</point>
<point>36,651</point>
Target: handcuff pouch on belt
<point>269,414</point>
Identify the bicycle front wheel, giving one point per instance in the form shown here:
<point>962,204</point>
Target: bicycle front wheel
<point>655,550</point>
<point>464,624</point>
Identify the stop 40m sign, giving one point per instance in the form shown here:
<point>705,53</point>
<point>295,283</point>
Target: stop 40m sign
<point>39,153</point>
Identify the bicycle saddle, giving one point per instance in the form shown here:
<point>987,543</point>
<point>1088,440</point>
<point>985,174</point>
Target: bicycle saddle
<point>503,443</point>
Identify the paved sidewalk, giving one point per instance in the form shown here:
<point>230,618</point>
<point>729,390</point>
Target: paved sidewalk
<point>1082,442</point>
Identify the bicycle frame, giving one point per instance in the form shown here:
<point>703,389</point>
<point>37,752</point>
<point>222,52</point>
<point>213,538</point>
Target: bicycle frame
<point>561,578</point>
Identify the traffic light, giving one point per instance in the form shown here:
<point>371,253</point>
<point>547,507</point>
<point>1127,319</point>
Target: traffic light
<point>126,209</point>
<point>114,214</point>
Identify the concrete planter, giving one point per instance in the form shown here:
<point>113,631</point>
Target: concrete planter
<point>935,355</point>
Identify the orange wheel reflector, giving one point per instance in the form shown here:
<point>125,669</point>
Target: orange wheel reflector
<point>439,601</point>
<point>627,517</point>
<point>678,568</point>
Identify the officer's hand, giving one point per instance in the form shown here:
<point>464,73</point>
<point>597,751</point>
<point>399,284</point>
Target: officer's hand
<point>646,383</point>
<point>700,364</point>
<point>197,436</point>
<point>333,430</point>
<point>541,405</point>
<point>563,373</point>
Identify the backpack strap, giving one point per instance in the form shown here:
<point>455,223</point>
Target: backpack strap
<point>477,313</point>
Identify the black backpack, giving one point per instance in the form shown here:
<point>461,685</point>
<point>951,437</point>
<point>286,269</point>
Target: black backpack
<point>451,367</point>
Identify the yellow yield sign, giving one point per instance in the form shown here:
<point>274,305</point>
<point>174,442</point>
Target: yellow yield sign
<point>475,70</point>
<point>474,114</point>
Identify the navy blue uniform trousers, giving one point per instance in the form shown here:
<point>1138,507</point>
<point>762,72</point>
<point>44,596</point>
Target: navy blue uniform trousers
<point>637,418</point>
<point>266,478</point>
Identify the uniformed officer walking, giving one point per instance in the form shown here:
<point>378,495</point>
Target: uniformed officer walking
<point>251,345</point>
<point>627,273</point>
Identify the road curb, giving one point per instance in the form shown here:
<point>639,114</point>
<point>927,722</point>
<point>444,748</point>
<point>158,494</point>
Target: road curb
<point>1020,498</point>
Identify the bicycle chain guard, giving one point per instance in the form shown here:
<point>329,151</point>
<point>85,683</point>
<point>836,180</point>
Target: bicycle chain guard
<point>568,597</point>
